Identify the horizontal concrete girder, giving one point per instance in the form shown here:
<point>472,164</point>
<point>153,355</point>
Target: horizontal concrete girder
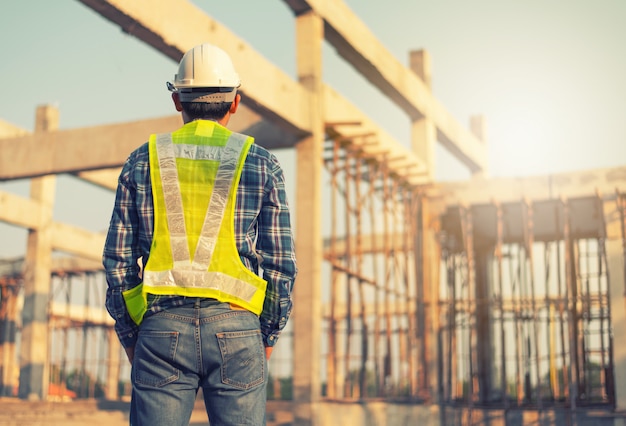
<point>105,178</point>
<point>67,151</point>
<point>60,266</point>
<point>178,24</point>
<point>108,146</point>
<point>19,211</point>
<point>566,185</point>
<point>120,139</point>
<point>8,130</point>
<point>358,46</point>
<point>175,26</point>
<point>23,212</point>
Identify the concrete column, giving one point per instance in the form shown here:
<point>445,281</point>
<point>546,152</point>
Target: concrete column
<point>423,131</point>
<point>307,311</point>
<point>615,260</point>
<point>423,140</point>
<point>8,328</point>
<point>34,359</point>
<point>478,126</point>
<point>427,275</point>
<point>484,339</point>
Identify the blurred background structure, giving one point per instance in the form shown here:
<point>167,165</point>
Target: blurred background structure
<point>485,300</point>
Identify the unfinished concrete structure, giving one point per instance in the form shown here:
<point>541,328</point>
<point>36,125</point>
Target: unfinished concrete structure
<point>489,300</point>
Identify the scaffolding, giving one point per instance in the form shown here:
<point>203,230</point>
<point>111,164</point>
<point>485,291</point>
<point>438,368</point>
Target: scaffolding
<point>373,347</point>
<point>525,307</point>
<point>82,340</point>
<point>83,351</point>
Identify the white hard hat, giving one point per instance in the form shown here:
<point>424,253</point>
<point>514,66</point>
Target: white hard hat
<point>205,66</point>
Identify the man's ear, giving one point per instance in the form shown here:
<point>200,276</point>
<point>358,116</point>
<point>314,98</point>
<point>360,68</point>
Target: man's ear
<point>177,104</point>
<point>235,104</point>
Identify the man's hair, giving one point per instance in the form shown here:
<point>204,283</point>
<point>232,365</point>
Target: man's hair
<point>206,111</point>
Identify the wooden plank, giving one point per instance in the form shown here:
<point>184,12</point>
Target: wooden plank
<point>338,110</point>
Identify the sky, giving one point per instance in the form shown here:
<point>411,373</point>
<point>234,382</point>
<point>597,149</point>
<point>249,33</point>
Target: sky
<point>548,75</point>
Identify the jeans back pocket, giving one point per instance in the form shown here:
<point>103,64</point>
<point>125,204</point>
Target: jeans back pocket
<point>243,358</point>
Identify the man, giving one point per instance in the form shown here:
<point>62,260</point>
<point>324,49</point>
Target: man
<point>198,214</point>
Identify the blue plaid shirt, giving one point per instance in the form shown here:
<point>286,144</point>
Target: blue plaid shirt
<point>263,238</point>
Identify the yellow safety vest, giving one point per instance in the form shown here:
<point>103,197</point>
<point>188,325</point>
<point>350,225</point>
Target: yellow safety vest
<point>195,173</point>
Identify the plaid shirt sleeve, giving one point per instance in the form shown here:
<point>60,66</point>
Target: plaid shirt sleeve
<point>122,252</point>
<point>274,244</point>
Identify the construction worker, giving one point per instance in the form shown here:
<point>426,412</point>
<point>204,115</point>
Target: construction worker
<point>198,214</point>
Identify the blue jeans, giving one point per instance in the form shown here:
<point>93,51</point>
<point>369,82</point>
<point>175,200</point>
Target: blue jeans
<point>205,344</point>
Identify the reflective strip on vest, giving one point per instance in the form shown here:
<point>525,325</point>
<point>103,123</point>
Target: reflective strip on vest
<point>189,277</point>
<point>228,157</point>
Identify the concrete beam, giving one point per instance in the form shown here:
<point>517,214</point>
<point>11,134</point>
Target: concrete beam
<point>19,211</point>
<point>67,151</point>
<point>258,120</point>
<point>105,178</point>
<point>26,213</point>
<point>175,26</point>
<point>60,266</point>
<point>569,185</point>
<point>77,241</point>
<point>8,130</point>
<point>354,42</point>
<point>245,121</point>
<point>26,155</point>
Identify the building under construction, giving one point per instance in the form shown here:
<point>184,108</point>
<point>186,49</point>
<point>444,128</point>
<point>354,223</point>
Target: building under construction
<point>487,301</point>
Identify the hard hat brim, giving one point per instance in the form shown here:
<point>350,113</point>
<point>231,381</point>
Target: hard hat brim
<point>208,97</point>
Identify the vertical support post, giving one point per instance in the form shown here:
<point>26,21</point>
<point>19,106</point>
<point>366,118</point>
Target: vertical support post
<point>410,200</point>
<point>499,255</point>
<point>616,264</point>
<point>37,270</point>
<point>374,226</point>
<point>348,384</point>
<point>427,258</point>
<point>8,328</point>
<point>423,131</point>
<point>388,270</point>
<point>484,339</point>
<point>332,357</point>
<point>423,139</point>
<point>307,293</point>
<point>529,240</point>
<point>478,126</point>
<point>571,291</point>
